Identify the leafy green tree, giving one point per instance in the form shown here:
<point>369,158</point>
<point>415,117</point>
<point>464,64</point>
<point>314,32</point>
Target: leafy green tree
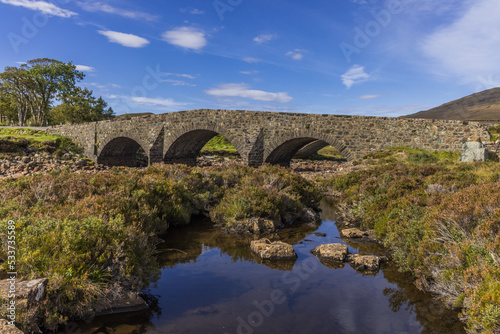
<point>51,79</point>
<point>17,84</point>
<point>8,111</point>
<point>34,86</point>
<point>80,106</point>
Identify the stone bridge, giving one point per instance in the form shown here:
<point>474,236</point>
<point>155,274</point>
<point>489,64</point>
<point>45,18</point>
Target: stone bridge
<point>260,137</point>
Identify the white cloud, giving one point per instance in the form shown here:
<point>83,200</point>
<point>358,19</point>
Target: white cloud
<point>251,60</point>
<point>179,82</point>
<point>468,48</point>
<point>249,72</point>
<point>129,40</point>
<point>368,97</point>
<point>264,38</point>
<point>296,54</point>
<point>84,68</point>
<point>186,37</point>
<point>161,103</point>
<point>193,11</point>
<point>242,90</point>
<point>354,75</point>
<point>180,75</point>
<point>42,6</point>
<point>105,8</point>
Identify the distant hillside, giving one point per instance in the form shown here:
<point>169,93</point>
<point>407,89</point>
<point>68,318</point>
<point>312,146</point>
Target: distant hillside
<point>482,106</point>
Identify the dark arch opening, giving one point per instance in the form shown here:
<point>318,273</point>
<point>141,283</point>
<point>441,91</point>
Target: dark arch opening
<point>301,148</point>
<point>187,148</point>
<point>123,151</point>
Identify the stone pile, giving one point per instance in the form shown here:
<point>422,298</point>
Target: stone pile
<point>339,253</point>
<point>32,163</point>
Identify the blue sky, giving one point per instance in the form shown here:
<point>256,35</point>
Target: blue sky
<point>353,57</point>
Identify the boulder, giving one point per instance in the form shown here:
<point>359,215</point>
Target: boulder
<point>123,303</point>
<point>6,328</point>
<point>353,233</point>
<point>473,151</point>
<point>32,291</point>
<point>335,252</point>
<point>364,262</point>
<point>277,250</point>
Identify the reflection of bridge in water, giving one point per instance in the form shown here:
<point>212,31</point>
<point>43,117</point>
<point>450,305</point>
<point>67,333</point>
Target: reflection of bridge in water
<point>260,137</point>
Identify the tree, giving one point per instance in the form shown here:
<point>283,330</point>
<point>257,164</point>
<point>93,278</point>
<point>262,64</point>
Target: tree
<point>35,85</point>
<point>7,107</point>
<point>17,84</point>
<point>51,79</point>
<point>80,106</point>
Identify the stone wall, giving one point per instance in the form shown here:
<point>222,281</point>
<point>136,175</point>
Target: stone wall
<point>262,137</point>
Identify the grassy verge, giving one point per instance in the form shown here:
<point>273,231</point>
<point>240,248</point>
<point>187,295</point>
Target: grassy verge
<point>218,144</point>
<point>17,141</point>
<point>93,235</point>
<point>441,218</point>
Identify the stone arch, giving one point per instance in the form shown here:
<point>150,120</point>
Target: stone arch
<point>185,145</point>
<point>122,151</point>
<point>281,151</point>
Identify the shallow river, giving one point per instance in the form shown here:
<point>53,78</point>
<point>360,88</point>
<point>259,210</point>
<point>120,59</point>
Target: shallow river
<point>211,283</point>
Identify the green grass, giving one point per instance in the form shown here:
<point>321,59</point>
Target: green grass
<point>15,141</point>
<point>494,132</point>
<point>218,144</point>
<point>36,137</point>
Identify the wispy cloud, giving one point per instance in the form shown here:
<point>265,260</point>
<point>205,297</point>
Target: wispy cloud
<point>186,37</point>
<point>193,11</point>
<point>105,8</point>
<point>244,91</point>
<point>42,6</point>
<point>181,75</point>
<point>84,68</point>
<point>128,40</point>
<point>468,48</point>
<point>160,103</point>
<point>368,97</point>
<point>178,82</point>
<point>249,72</point>
<point>264,38</point>
<point>297,54</point>
<point>354,75</point>
<point>251,60</point>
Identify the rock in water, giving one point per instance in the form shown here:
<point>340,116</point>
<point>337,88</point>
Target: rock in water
<point>353,233</point>
<point>365,262</point>
<point>473,151</point>
<point>335,252</point>
<point>277,250</point>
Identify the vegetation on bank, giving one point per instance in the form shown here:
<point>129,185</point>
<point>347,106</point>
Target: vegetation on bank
<point>440,217</point>
<point>20,140</point>
<point>94,234</point>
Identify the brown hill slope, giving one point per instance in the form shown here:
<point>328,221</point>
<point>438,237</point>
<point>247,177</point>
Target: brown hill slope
<point>482,106</point>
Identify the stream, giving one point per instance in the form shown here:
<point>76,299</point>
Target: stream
<point>212,283</point>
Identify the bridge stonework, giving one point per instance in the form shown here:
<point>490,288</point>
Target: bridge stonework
<point>260,137</point>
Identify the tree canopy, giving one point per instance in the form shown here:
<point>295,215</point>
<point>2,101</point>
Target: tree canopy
<point>43,91</point>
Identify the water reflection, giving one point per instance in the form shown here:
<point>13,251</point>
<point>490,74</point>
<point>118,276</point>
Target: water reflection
<point>212,283</point>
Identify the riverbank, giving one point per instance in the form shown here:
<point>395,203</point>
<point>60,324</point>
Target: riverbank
<point>94,235</point>
<point>441,220</point>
